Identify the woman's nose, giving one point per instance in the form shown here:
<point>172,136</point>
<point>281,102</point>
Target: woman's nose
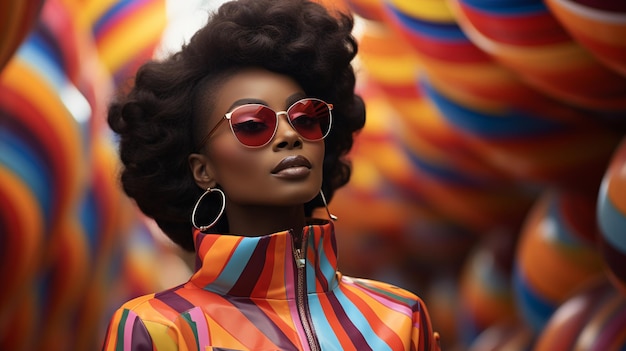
<point>286,137</point>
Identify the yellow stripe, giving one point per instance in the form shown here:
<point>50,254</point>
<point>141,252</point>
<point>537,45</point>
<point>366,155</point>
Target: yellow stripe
<point>163,336</point>
<point>133,35</point>
<point>431,10</point>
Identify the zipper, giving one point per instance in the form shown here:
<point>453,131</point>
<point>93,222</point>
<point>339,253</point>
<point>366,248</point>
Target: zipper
<point>301,298</point>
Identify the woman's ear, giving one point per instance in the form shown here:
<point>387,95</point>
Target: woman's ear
<point>202,170</point>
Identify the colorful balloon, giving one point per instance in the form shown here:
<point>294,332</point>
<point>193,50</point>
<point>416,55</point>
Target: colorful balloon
<point>556,254</point>
<point>558,67</point>
<point>611,212</point>
<point>486,294</point>
<point>532,148</point>
<point>593,319</point>
<point>599,29</point>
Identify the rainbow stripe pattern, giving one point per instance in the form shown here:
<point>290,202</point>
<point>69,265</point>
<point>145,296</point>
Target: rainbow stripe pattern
<point>245,293</point>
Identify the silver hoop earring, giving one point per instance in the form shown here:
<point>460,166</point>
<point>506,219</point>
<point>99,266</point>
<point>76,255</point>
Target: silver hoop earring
<point>332,216</point>
<point>219,215</point>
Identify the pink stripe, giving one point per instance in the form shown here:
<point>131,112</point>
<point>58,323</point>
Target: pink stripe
<point>128,330</point>
<point>201,325</point>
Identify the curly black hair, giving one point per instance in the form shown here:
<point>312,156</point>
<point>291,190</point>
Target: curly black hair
<point>155,118</point>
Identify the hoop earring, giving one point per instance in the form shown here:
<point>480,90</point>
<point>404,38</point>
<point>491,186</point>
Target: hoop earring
<point>332,216</point>
<point>219,215</point>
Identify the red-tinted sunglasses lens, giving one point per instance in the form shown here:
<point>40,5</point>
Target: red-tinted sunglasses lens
<point>253,125</point>
<point>311,118</point>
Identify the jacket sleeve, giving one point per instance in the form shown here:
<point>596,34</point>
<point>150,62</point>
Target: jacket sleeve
<point>128,331</point>
<point>423,338</point>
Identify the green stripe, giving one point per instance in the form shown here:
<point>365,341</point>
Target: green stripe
<point>193,326</point>
<point>120,331</point>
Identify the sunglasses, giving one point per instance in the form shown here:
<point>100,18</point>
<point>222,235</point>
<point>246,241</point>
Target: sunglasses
<point>254,125</point>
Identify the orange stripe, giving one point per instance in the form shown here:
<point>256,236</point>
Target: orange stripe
<point>220,252</point>
<point>120,44</point>
<point>278,274</point>
<point>382,329</point>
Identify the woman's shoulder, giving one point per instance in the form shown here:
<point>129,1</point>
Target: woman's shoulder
<point>383,290</point>
<point>138,303</point>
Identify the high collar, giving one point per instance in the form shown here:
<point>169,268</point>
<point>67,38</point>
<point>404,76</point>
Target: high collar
<point>265,266</point>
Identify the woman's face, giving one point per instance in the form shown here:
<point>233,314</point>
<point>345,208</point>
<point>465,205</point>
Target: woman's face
<point>285,172</point>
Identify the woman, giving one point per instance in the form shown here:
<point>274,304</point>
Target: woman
<point>230,144</point>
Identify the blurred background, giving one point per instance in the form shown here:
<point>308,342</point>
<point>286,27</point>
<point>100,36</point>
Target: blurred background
<point>490,177</point>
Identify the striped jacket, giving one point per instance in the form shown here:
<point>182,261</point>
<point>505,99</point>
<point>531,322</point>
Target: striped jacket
<point>272,293</point>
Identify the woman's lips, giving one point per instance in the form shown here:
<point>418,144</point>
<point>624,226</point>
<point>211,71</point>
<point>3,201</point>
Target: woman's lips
<point>292,167</point>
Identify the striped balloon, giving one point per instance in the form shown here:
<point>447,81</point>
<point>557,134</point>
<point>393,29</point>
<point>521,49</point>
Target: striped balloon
<point>556,254</point>
<point>486,294</point>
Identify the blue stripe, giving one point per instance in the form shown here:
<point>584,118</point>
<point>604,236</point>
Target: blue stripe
<point>612,221</point>
<point>232,272</point>
<point>507,7</point>
<point>90,217</point>
<point>325,267</point>
<point>322,327</point>
<point>441,31</point>
<point>112,12</point>
<point>563,235</point>
<point>43,62</point>
<point>19,157</point>
<point>535,310</point>
<point>444,173</point>
<point>512,123</point>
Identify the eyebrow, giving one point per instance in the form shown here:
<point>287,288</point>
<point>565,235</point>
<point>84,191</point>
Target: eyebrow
<point>289,101</point>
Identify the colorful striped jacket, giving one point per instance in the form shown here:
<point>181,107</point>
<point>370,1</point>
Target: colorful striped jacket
<point>271,293</point>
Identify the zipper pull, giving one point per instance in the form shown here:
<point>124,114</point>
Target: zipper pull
<point>300,260</point>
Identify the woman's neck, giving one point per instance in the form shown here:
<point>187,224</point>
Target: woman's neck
<point>263,220</point>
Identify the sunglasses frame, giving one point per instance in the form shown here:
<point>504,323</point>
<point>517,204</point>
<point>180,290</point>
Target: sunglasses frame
<point>228,116</point>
